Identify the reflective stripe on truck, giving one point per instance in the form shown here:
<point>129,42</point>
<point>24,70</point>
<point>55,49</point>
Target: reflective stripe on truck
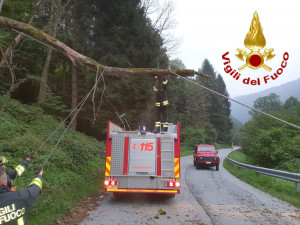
<point>143,190</point>
<point>108,152</point>
<point>107,166</point>
<point>125,162</point>
<point>177,153</point>
<point>176,167</point>
<point>158,173</point>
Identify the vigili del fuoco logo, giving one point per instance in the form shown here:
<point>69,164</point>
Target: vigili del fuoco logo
<point>255,41</point>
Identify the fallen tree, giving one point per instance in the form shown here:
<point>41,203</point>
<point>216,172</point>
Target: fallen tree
<point>77,58</point>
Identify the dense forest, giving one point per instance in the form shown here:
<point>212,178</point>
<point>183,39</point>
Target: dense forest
<point>116,34</point>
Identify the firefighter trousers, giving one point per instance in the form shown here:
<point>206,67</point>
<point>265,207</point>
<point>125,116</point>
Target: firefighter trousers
<point>161,117</point>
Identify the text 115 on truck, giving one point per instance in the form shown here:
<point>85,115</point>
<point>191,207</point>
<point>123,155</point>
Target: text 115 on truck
<point>142,162</point>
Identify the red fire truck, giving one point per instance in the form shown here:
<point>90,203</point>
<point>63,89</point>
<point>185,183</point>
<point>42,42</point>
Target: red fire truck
<point>142,162</point>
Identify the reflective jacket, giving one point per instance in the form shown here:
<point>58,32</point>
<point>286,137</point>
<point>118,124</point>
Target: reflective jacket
<point>14,173</point>
<point>15,205</point>
<point>160,90</point>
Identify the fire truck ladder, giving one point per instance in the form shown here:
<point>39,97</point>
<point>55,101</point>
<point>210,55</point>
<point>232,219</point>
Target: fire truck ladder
<point>167,159</point>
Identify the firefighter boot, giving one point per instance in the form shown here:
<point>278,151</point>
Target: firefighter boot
<point>157,127</point>
<point>165,128</point>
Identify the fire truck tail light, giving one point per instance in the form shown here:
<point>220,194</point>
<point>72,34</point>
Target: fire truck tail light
<point>110,182</point>
<point>170,184</point>
<point>173,184</point>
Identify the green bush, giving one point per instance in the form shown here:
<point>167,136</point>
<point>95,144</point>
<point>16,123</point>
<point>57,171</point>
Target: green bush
<point>271,144</point>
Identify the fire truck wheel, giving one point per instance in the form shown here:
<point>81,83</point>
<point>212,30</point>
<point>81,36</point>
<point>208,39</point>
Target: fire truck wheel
<point>198,166</point>
<point>217,167</point>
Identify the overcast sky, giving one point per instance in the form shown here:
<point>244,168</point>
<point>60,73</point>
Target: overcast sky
<point>211,28</point>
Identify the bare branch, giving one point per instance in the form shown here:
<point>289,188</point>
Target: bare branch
<point>149,6</point>
<point>162,16</point>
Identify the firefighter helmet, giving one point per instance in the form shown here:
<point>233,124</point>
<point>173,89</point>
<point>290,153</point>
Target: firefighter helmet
<point>2,160</point>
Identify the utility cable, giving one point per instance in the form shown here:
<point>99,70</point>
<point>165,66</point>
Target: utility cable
<point>118,114</point>
<point>99,106</point>
<point>82,102</point>
<point>81,105</point>
<point>224,96</point>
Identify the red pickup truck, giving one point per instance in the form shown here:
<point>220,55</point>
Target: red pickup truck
<point>206,156</point>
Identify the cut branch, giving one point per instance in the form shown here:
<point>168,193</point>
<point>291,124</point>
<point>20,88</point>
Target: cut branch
<point>78,58</point>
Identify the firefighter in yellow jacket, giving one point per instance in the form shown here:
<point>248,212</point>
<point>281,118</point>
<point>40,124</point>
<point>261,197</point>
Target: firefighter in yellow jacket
<point>15,205</point>
<point>12,174</point>
<point>161,104</point>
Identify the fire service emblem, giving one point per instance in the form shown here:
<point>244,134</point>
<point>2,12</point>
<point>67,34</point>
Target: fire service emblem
<point>255,41</point>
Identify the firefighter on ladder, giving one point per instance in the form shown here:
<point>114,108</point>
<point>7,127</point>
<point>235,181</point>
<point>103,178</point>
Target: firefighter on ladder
<point>161,103</point>
<point>16,172</point>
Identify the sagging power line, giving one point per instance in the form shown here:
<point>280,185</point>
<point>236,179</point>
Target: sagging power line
<point>233,100</point>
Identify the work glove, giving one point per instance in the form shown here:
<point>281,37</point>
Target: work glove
<point>30,157</point>
<point>39,172</point>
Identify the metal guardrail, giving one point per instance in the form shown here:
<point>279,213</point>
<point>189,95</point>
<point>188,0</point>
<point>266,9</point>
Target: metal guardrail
<point>295,177</point>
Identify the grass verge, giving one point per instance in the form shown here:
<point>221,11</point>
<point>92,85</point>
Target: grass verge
<point>279,188</point>
<point>74,170</point>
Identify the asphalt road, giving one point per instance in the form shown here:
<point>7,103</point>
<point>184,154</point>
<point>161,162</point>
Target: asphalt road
<point>207,197</point>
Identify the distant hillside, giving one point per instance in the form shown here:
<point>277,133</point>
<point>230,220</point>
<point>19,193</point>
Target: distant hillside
<point>284,91</point>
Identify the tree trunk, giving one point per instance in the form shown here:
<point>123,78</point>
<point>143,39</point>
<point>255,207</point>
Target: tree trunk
<point>74,97</point>
<point>76,57</point>
<point>55,14</point>
<point>1,3</point>
<point>44,77</point>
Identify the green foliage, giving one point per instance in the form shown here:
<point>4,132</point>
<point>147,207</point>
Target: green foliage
<point>279,188</point>
<point>204,116</point>
<point>236,127</point>
<point>217,107</point>
<point>270,143</point>
<point>270,103</point>
<point>54,106</point>
<point>18,9</point>
<point>198,135</point>
<point>241,157</point>
<point>74,170</point>
<point>291,105</point>
<point>176,64</point>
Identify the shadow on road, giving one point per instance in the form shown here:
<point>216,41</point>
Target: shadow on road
<point>141,198</point>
